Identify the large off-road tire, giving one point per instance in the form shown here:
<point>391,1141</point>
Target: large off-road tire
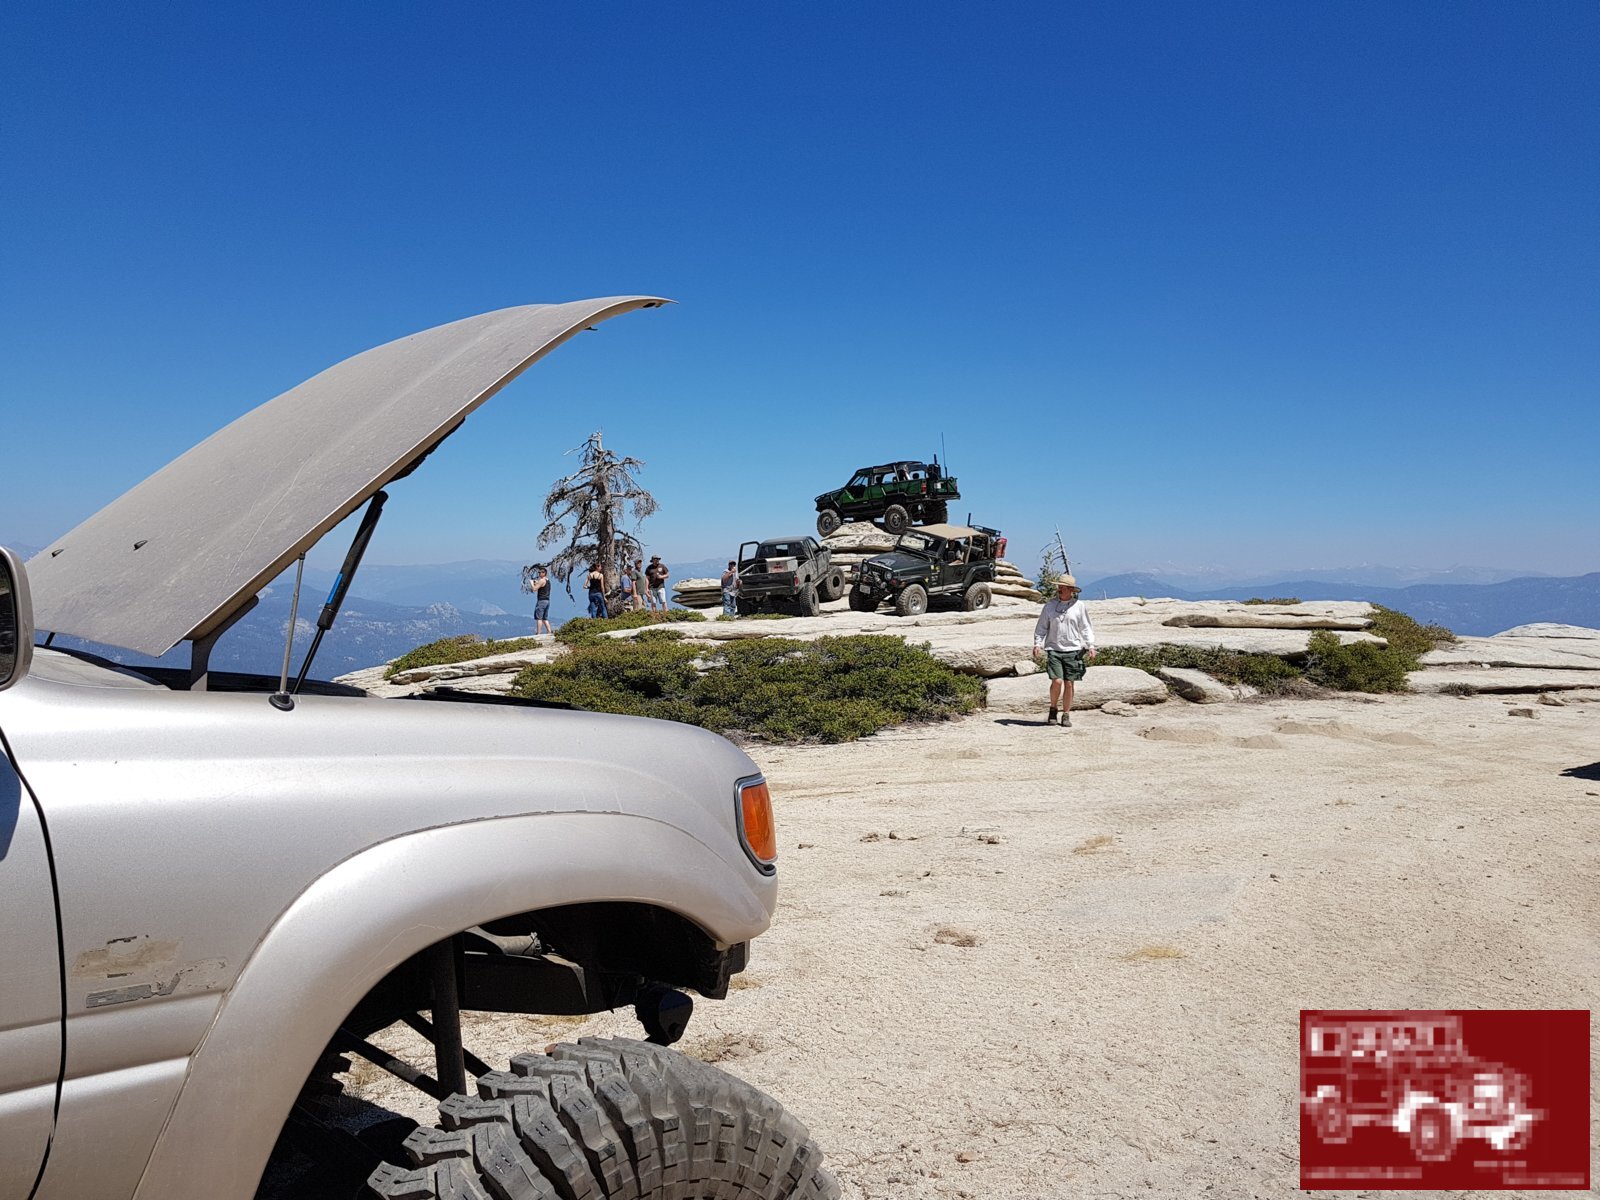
<point>912,600</point>
<point>828,520</point>
<point>978,596</point>
<point>607,1119</point>
<point>807,601</point>
<point>896,519</point>
<point>747,608</point>
<point>831,586</point>
<point>937,512</point>
<point>861,602</point>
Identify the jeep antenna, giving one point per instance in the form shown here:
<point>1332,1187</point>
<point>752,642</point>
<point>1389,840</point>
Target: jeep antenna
<point>944,458</point>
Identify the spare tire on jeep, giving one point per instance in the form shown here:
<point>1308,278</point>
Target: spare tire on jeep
<point>607,1118</point>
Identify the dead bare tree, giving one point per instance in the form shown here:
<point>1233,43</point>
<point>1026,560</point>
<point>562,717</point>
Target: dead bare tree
<point>593,501</point>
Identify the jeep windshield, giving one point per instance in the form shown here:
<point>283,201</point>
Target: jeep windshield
<point>917,543</point>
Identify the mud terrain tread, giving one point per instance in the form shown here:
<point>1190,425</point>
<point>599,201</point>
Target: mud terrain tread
<point>610,1119</point>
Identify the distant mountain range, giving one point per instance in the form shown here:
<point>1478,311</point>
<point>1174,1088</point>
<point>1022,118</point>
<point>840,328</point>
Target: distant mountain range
<point>1476,609</point>
<point>395,608</point>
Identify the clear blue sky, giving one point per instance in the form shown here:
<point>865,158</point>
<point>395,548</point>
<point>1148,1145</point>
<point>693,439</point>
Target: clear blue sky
<point>1254,285</point>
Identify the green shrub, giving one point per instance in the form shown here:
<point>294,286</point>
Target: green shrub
<point>462,648</point>
<point>1356,666</point>
<point>1274,600</point>
<point>1406,635</point>
<point>1264,672</point>
<point>834,689</point>
<point>583,631</point>
<point>1458,689</point>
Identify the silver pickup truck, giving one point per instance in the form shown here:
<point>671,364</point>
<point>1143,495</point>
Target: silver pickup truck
<point>214,889</point>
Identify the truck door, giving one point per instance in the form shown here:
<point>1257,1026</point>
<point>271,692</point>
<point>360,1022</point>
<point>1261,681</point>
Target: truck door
<point>30,989</point>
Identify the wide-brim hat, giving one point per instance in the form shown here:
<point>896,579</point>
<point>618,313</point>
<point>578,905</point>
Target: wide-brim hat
<point>1068,581</point>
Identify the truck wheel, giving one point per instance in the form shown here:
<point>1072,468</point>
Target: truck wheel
<point>807,601</point>
<point>938,512</point>
<point>896,519</point>
<point>978,596</point>
<point>828,520</point>
<point>609,1118</point>
<point>832,585</point>
<point>912,601</point>
<point>861,602</point>
<point>747,608</point>
<point>1433,1133</point>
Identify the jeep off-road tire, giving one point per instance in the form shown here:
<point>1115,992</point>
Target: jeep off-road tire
<point>896,519</point>
<point>861,602</point>
<point>610,1119</point>
<point>807,601</point>
<point>978,596</point>
<point>828,520</point>
<point>831,586</point>
<point>936,512</point>
<point>912,600</point>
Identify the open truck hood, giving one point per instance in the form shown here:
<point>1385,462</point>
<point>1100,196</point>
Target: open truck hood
<point>180,554</point>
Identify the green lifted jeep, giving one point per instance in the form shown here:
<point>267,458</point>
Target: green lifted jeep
<point>935,562</point>
<point>786,574</point>
<point>897,494</point>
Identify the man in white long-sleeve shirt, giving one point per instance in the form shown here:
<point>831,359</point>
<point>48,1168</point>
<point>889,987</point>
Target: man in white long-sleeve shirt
<point>1064,640</point>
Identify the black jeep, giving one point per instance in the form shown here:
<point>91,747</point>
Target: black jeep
<point>896,493</point>
<point>935,562</point>
<point>787,574</point>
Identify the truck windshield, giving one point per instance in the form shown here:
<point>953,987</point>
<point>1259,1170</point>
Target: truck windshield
<point>782,550</point>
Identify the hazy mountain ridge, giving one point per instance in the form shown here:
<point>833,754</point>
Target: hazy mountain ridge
<point>1478,609</point>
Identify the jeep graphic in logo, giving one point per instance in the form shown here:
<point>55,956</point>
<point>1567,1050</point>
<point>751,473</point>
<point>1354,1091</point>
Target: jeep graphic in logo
<point>1465,1099</point>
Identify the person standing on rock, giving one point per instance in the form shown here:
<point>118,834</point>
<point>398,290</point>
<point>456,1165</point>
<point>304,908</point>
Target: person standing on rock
<point>541,601</point>
<point>730,589</point>
<point>655,577</point>
<point>1064,640</point>
<point>597,591</point>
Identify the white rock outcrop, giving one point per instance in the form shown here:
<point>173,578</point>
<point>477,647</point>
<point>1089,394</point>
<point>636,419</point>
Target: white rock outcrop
<point>1031,693</point>
<point>1196,686</point>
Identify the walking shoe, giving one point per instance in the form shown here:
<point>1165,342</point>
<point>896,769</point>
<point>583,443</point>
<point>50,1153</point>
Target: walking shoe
<point>1051,719</point>
<point>1066,720</point>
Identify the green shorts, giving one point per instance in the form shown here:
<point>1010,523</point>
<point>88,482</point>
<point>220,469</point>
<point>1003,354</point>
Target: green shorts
<point>1065,664</point>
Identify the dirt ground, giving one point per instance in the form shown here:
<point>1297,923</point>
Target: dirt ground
<point>1015,961</point>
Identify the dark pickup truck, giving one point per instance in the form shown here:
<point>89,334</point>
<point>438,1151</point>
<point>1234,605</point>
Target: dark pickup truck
<point>787,574</point>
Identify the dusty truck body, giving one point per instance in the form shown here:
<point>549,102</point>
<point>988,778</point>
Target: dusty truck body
<point>787,574</point>
<point>208,896</point>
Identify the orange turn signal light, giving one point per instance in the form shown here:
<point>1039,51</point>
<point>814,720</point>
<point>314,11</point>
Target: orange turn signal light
<point>756,825</point>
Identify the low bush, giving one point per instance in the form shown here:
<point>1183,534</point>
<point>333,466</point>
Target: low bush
<point>1264,672</point>
<point>463,648</point>
<point>1458,689</point>
<point>583,631</point>
<point>835,689</point>
<point>1274,600</point>
<point>1354,666</point>
<point>1367,667</point>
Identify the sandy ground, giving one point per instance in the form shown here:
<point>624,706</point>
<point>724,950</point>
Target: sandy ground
<point>1017,961</point>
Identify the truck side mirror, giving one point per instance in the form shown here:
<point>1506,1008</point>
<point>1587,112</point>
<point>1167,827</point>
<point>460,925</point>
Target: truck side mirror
<point>16,620</point>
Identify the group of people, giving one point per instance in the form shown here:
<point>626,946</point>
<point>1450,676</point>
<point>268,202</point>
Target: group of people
<point>643,588</point>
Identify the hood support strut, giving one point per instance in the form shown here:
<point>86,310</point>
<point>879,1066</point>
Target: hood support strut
<point>341,582</point>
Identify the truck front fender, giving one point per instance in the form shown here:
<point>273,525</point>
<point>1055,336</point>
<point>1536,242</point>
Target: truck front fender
<point>376,909</point>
